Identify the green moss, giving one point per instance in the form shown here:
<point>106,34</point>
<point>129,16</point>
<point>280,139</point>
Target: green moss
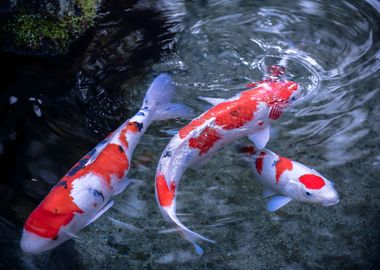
<point>44,33</point>
<point>31,31</point>
<point>88,8</point>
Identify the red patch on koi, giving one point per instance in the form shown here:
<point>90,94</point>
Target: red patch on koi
<point>55,211</point>
<point>123,137</point>
<point>259,162</point>
<point>228,115</point>
<point>312,181</point>
<point>282,165</point>
<point>205,140</point>
<point>236,113</point>
<point>58,207</point>
<point>110,161</point>
<point>133,127</point>
<point>164,193</point>
<point>183,132</point>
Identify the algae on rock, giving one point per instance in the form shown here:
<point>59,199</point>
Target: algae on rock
<point>48,27</point>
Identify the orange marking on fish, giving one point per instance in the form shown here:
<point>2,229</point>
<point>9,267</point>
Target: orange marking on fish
<point>123,137</point>
<point>133,127</point>
<point>259,162</point>
<point>282,165</point>
<point>55,211</point>
<point>110,161</point>
<point>183,132</point>
<point>312,181</point>
<point>164,193</point>
<point>236,113</point>
<point>205,140</point>
<point>228,115</point>
<point>58,207</point>
<point>240,113</point>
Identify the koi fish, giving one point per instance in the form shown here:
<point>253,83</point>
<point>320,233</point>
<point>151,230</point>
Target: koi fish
<point>249,113</point>
<point>85,192</point>
<point>285,180</point>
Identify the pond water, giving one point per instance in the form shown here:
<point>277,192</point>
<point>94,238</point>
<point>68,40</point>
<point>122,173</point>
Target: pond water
<point>53,111</point>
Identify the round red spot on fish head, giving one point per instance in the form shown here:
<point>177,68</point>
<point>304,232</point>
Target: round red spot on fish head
<point>312,181</point>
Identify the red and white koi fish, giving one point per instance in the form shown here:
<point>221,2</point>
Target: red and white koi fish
<point>85,192</point>
<point>249,113</point>
<point>285,180</point>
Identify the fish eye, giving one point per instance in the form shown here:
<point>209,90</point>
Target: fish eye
<point>308,193</point>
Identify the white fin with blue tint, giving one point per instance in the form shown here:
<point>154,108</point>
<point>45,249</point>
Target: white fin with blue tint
<point>267,192</point>
<point>186,233</point>
<point>122,186</point>
<point>198,250</point>
<point>277,202</point>
<point>158,98</point>
<point>100,212</point>
<point>213,101</point>
<point>260,138</point>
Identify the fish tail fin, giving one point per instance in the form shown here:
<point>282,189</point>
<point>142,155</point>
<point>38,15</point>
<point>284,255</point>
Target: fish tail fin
<point>185,232</point>
<point>158,99</point>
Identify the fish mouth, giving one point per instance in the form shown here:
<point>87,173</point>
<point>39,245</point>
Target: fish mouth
<point>32,243</point>
<point>330,203</point>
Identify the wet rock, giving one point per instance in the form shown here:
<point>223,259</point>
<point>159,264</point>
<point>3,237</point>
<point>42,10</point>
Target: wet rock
<point>46,26</point>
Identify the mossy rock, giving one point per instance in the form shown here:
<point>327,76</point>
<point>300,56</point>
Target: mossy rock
<point>47,28</point>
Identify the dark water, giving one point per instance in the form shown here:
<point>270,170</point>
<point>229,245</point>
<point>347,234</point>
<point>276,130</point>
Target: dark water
<point>212,48</point>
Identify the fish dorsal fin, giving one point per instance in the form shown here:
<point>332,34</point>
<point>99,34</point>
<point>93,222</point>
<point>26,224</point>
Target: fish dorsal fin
<point>100,212</point>
<point>260,138</point>
<point>120,188</point>
<point>267,192</point>
<point>277,202</point>
<point>213,101</point>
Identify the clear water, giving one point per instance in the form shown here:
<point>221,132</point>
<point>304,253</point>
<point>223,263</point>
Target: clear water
<point>212,48</point>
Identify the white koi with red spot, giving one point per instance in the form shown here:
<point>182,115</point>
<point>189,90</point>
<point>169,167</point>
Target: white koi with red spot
<point>85,192</point>
<point>249,113</point>
<point>285,180</point>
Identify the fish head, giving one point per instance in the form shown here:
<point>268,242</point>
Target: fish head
<point>279,95</point>
<point>283,92</point>
<point>49,225</point>
<point>313,188</point>
<point>34,244</point>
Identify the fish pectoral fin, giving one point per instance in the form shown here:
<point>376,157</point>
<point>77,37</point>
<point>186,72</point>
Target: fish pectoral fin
<point>120,188</point>
<point>267,192</point>
<point>277,202</point>
<point>100,212</point>
<point>213,101</point>
<point>261,138</point>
